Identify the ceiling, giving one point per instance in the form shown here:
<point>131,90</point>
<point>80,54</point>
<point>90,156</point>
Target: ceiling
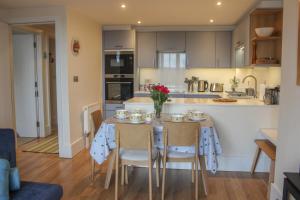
<point>149,12</point>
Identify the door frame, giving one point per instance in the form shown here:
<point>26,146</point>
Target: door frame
<point>61,62</point>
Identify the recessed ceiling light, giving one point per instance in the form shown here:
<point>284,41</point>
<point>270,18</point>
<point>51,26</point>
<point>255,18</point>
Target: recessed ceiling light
<point>139,22</point>
<point>123,6</point>
<point>219,3</point>
<point>211,21</point>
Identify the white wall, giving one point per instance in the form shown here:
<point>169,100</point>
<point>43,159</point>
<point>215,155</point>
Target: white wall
<point>288,151</point>
<point>6,106</point>
<point>87,67</point>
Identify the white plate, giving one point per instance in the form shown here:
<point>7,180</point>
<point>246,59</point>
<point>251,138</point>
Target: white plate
<point>115,116</point>
<point>139,122</point>
<point>199,119</point>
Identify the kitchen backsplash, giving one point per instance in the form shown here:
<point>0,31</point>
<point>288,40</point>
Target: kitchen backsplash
<point>268,75</point>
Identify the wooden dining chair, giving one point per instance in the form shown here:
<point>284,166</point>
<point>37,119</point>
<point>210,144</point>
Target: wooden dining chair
<point>181,134</point>
<point>97,120</point>
<point>134,146</point>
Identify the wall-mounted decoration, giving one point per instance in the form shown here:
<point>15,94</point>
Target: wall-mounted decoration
<point>298,67</point>
<point>75,47</point>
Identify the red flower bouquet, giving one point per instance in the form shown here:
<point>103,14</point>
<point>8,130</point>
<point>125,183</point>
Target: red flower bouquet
<point>159,94</point>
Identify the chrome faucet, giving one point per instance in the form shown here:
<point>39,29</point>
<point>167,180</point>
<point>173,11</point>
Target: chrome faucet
<point>255,82</point>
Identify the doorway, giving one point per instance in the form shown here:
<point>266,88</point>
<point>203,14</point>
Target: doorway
<point>35,87</point>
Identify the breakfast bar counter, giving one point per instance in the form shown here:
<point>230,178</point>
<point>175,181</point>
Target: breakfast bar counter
<point>237,123</point>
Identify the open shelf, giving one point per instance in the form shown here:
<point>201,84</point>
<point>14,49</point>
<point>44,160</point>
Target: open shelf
<point>266,38</point>
<point>266,47</point>
<point>266,65</point>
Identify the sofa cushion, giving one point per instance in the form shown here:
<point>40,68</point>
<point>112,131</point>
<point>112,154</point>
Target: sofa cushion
<point>38,191</point>
<point>4,179</point>
<point>14,179</point>
<point>8,146</point>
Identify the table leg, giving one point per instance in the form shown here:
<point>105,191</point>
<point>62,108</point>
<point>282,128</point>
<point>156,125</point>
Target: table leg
<point>204,174</point>
<point>271,176</point>
<point>110,169</point>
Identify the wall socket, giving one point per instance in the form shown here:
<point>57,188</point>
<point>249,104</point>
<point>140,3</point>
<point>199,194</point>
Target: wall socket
<point>75,79</point>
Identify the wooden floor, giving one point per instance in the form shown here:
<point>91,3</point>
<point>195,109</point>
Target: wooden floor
<point>74,176</point>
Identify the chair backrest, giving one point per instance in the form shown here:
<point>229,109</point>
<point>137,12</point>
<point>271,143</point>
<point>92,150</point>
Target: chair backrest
<point>97,119</point>
<point>181,133</point>
<point>134,136</point>
<point>8,146</point>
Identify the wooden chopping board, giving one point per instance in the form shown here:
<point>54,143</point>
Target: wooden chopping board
<point>225,100</point>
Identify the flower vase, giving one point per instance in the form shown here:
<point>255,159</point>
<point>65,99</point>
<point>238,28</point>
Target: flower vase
<point>157,108</point>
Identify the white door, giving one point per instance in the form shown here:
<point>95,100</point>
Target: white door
<point>26,107</point>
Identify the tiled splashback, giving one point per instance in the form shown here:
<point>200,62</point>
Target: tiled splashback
<point>270,76</point>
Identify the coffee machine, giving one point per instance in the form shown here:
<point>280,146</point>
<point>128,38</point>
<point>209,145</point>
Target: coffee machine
<point>272,96</point>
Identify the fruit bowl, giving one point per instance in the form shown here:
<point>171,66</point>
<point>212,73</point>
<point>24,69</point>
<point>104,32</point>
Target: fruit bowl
<point>264,32</point>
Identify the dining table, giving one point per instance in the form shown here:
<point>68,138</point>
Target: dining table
<point>103,145</point>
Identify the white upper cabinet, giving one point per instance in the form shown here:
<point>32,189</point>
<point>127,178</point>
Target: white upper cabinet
<point>171,41</point>
<point>201,49</point>
<point>223,48</point>
<point>146,49</point>
<point>120,39</point>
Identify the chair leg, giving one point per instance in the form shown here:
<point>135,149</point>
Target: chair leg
<point>157,171</point>
<point>93,170</point>
<point>204,174</point>
<point>150,179</point>
<point>271,176</point>
<point>197,179</point>
<point>193,172</point>
<point>126,174</point>
<point>256,157</point>
<point>117,178</point>
<point>122,174</point>
<point>110,169</point>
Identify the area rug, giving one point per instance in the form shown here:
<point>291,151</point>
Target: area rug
<point>42,145</point>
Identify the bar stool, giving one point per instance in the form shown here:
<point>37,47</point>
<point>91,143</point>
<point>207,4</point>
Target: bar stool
<point>270,150</point>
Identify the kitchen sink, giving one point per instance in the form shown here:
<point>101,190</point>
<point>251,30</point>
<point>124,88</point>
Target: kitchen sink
<point>239,95</point>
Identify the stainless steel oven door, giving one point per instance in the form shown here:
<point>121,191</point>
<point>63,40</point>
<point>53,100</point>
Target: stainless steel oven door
<point>118,91</point>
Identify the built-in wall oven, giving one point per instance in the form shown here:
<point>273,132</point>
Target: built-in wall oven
<point>119,62</point>
<point>118,88</point>
<point>119,80</point>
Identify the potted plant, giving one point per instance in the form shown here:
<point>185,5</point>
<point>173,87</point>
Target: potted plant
<point>159,94</point>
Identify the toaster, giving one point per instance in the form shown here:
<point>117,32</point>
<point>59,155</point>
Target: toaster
<point>216,87</point>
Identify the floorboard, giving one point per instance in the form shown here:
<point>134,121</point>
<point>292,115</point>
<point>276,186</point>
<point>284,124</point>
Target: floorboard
<point>74,176</point>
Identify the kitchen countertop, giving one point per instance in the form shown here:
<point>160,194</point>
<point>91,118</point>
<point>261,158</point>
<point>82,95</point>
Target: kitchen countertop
<point>200,101</point>
<point>270,134</point>
<point>189,93</point>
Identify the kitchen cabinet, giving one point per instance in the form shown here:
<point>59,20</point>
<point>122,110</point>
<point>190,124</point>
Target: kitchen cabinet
<point>171,41</point>
<point>120,39</point>
<point>240,43</point>
<point>223,49</point>
<point>200,49</point>
<point>146,49</point>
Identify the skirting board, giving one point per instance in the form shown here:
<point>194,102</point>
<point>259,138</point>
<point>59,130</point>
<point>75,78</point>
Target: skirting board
<point>275,192</point>
<point>69,151</point>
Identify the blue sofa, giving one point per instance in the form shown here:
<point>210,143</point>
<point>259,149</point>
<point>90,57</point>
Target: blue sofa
<point>29,190</point>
